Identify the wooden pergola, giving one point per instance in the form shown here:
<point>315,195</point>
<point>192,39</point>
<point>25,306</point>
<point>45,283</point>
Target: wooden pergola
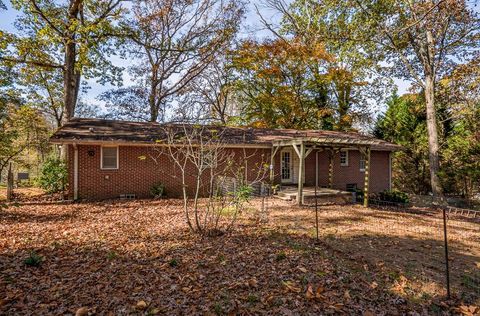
<point>304,146</point>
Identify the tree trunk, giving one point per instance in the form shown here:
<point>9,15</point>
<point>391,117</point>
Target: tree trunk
<point>71,76</point>
<point>432,136</point>
<point>69,81</point>
<point>152,98</point>
<point>10,183</point>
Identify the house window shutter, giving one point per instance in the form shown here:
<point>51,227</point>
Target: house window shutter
<point>109,159</point>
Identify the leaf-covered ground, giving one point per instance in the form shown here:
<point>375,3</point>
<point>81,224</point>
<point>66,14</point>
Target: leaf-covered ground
<point>137,257</point>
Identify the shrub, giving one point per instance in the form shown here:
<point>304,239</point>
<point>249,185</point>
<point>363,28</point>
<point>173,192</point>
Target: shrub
<point>394,196</point>
<point>280,256</point>
<point>53,175</point>
<point>359,195</point>
<point>111,255</point>
<point>158,190</point>
<point>243,193</point>
<point>33,260</point>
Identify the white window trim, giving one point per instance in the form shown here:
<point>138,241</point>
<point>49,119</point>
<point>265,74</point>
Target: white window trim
<point>291,153</point>
<point>364,162</point>
<point>345,164</point>
<point>101,158</point>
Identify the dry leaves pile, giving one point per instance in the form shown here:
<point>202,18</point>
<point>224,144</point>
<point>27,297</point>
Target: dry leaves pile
<point>138,257</point>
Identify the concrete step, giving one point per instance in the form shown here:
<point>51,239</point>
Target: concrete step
<point>286,196</point>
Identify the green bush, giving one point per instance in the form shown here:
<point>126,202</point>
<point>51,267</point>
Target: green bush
<point>243,193</point>
<point>359,194</point>
<point>394,196</point>
<point>33,260</point>
<point>53,175</point>
<point>158,190</point>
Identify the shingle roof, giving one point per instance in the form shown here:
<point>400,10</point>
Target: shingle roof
<point>82,130</point>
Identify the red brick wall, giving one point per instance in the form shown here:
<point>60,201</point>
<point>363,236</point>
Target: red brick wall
<point>343,175</point>
<point>137,176</point>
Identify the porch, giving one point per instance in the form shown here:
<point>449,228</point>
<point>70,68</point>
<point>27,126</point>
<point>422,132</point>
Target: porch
<point>290,193</point>
<point>294,151</point>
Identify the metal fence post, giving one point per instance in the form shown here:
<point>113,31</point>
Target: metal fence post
<point>447,268</point>
<point>316,197</point>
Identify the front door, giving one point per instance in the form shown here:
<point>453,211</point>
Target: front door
<point>286,166</point>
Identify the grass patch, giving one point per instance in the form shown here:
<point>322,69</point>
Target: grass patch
<point>281,256</point>
<point>33,260</point>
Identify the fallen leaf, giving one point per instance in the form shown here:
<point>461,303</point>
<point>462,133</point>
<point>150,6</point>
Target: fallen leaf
<point>319,291</point>
<point>141,305</point>
<point>82,311</point>
<point>309,295</point>
<point>470,310</point>
<point>291,287</point>
<point>374,285</point>
<point>253,282</point>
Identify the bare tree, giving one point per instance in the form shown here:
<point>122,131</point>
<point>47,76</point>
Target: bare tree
<point>174,41</point>
<point>215,185</point>
<point>211,96</point>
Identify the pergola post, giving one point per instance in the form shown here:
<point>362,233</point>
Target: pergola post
<point>75,172</point>
<point>301,175</point>
<point>330,169</point>
<point>367,176</point>
<point>272,162</point>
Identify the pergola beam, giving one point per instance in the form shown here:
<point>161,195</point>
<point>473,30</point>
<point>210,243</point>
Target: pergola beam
<point>333,144</point>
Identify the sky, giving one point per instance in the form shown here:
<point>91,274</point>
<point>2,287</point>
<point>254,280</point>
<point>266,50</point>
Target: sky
<point>251,28</point>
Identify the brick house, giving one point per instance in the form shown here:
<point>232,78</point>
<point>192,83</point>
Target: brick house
<point>106,158</point>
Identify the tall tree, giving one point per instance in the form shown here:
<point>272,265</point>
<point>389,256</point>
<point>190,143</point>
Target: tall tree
<point>404,123</point>
<point>458,95</point>
<point>278,87</point>
<point>420,40</point>
<point>354,83</point>
<point>211,97</point>
<point>44,92</point>
<point>69,36</point>
<point>174,41</point>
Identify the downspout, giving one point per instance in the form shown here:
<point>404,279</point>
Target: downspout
<point>75,172</point>
<point>390,171</point>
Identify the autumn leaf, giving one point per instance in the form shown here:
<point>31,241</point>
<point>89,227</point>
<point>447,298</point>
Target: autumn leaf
<point>469,310</point>
<point>141,305</point>
<point>253,282</point>
<point>302,269</point>
<point>309,295</point>
<point>82,311</point>
<point>346,295</point>
<point>291,286</point>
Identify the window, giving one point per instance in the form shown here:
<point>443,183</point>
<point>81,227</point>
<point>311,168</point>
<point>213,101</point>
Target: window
<point>286,165</point>
<point>362,162</point>
<point>344,158</point>
<point>109,158</point>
